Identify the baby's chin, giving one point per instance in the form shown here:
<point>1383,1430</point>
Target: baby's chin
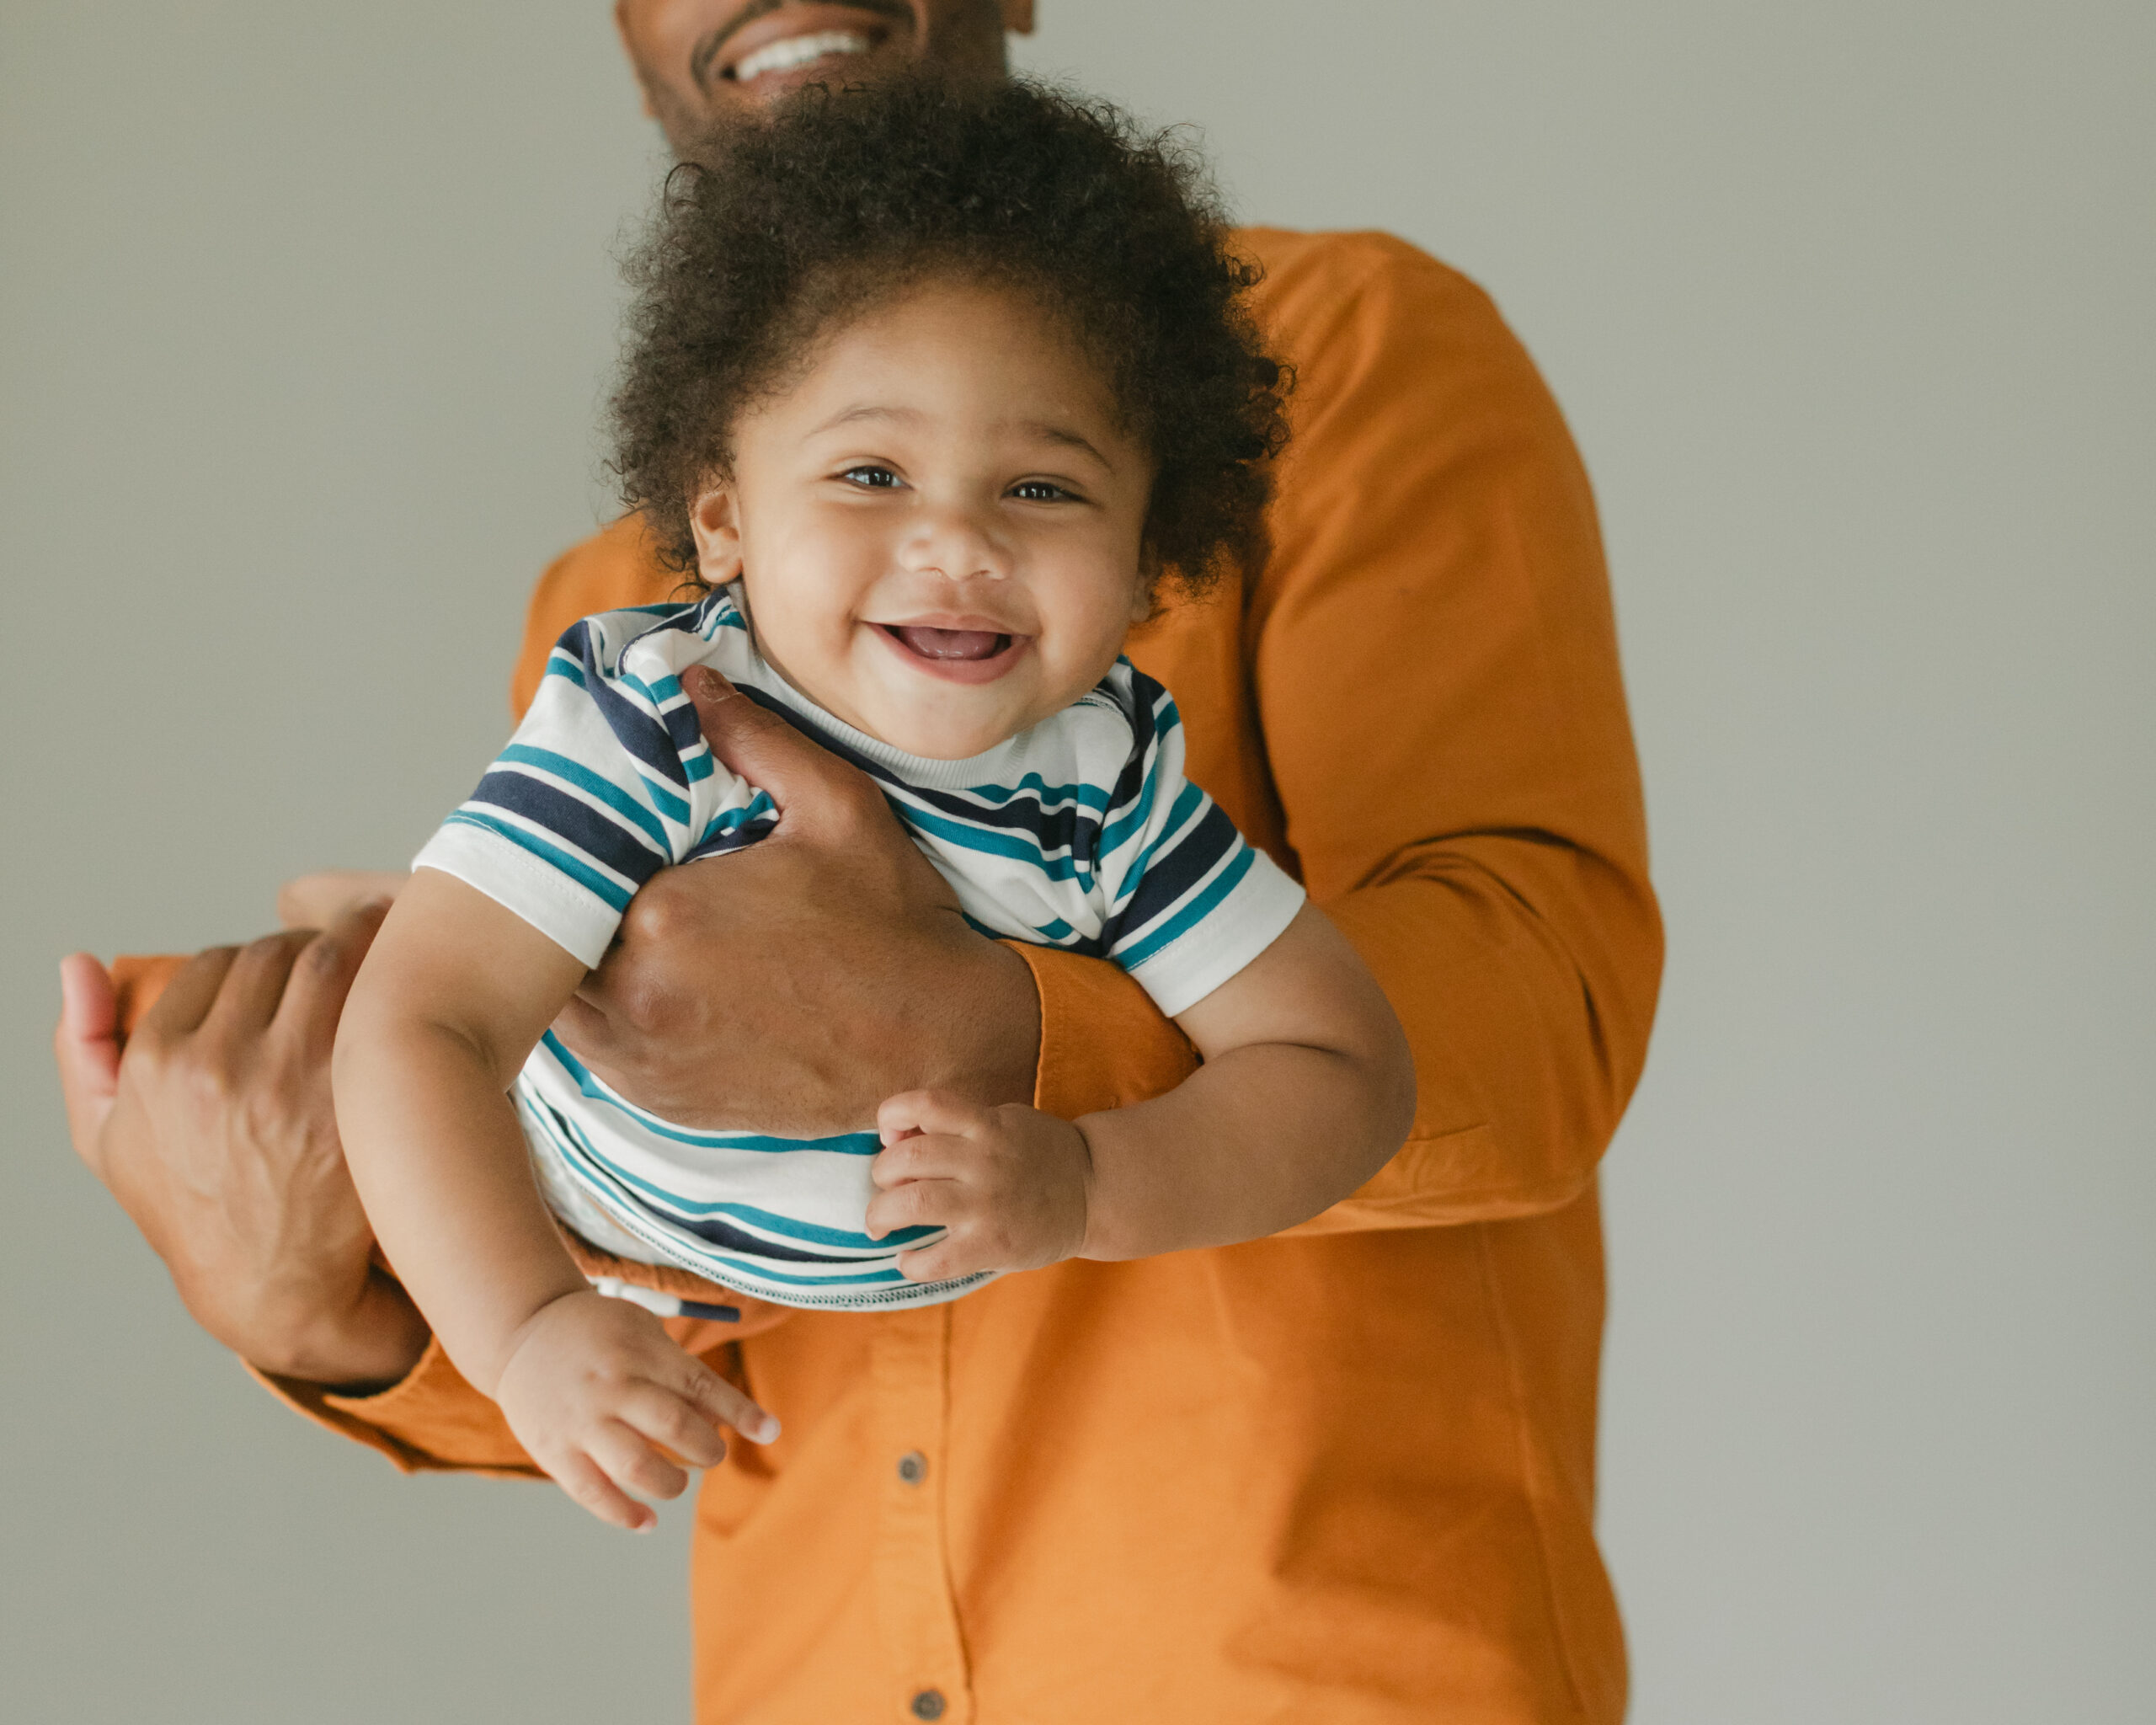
<point>933,719</point>
<point>947,738</point>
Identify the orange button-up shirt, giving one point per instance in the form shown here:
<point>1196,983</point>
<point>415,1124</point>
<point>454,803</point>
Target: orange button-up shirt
<point>1345,1474</point>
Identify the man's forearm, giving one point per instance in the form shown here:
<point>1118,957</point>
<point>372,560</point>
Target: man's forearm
<point>1526,1049</point>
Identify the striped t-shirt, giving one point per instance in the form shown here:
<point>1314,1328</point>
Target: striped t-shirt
<point>1081,833</point>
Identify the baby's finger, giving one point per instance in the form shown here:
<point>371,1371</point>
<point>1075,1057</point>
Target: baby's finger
<point>666,1418</point>
<point>718,1401</point>
<point>918,1203</point>
<point>947,1257</point>
<point>923,1156</point>
<point>927,1111</point>
<point>626,1457</point>
<point>581,1477</point>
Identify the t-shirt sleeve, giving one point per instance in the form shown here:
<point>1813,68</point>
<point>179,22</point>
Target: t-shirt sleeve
<point>1190,902</point>
<point>607,781</point>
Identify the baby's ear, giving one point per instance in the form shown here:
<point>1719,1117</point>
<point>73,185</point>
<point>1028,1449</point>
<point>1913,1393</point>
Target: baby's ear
<point>1146,598</point>
<point>716,521</point>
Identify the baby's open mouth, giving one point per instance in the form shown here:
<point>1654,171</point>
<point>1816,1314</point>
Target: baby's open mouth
<point>947,644</point>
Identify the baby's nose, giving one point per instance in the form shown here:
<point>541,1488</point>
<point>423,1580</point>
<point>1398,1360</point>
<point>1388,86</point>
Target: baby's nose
<point>957,546</point>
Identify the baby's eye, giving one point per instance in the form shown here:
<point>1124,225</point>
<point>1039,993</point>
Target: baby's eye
<point>1039,491</point>
<point>871,477</point>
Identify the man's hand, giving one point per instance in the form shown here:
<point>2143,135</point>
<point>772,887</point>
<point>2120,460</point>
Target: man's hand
<point>216,1132</point>
<point>1010,1185</point>
<point>791,987</point>
<point>598,1395</point>
<point>317,900</point>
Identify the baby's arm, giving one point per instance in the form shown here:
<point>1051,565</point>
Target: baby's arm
<point>1307,1090</point>
<point>453,995</point>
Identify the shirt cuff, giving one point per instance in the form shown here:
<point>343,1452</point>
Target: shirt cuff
<point>430,1420</point>
<point>1104,1044</point>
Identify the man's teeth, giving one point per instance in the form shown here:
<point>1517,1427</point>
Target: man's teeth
<point>790,51</point>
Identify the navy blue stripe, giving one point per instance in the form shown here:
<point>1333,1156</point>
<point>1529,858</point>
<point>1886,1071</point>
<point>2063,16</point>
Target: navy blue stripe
<point>737,838</point>
<point>607,892</point>
<point>552,811</point>
<point>1072,829</point>
<point>1193,911</point>
<point>712,1230</point>
<point>1168,879</point>
<point>644,738</point>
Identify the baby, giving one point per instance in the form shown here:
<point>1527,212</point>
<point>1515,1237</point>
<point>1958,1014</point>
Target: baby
<point>934,390</point>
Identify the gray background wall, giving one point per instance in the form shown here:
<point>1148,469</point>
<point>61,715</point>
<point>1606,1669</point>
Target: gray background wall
<point>304,314</point>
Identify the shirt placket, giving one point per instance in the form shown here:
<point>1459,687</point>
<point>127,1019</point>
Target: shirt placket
<point>909,1366</point>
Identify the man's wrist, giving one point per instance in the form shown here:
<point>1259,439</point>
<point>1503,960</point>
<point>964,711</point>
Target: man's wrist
<point>1003,1063</point>
<point>356,1346</point>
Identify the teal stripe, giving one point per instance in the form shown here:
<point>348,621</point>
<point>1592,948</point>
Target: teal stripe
<point>728,818</point>
<point>585,779</point>
<point>846,1143</point>
<point>1224,882</point>
<point>1165,723</point>
<point>583,873</point>
<point>989,840</point>
<point>671,806</point>
<point>1141,808</point>
<point>811,1233</point>
<point>1088,796</point>
<point>661,694</point>
<point>1058,933</point>
<point>756,1267</point>
<point>1189,803</point>
<point>703,1248</point>
<point>559,666</point>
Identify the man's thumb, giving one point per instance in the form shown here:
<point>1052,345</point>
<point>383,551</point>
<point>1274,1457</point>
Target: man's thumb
<point>88,1008</point>
<point>757,743</point>
<point>86,1044</point>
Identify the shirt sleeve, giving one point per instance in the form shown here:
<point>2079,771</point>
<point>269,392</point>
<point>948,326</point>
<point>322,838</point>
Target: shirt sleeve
<point>607,780</point>
<point>1433,671</point>
<point>1189,901</point>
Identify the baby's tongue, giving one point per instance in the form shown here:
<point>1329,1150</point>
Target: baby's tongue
<point>951,644</point>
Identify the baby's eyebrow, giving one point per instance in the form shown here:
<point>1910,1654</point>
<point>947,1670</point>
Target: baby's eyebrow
<point>868,410</point>
<point>1045,431</point>
<point>1048,433</point>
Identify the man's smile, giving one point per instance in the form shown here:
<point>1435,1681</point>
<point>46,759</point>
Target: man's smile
<point>770,39</point>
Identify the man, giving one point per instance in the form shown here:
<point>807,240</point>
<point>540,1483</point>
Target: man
<point>1344,1474</point>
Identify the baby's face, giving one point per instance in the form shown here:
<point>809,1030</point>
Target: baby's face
<point>938,527</point>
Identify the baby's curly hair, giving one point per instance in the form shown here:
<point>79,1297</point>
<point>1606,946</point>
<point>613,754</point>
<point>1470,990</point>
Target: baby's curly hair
<point>840,200</point>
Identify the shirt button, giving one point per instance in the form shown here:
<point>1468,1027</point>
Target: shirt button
<point>928,1704</point>
<point>913,1469</point>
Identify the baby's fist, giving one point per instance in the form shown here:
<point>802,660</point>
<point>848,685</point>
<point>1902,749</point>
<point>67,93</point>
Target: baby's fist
<point>1008,1185</point>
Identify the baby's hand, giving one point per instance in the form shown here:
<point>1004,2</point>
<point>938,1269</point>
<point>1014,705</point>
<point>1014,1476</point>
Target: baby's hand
<point>592,1387</point>
<point>1009,1184</point>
